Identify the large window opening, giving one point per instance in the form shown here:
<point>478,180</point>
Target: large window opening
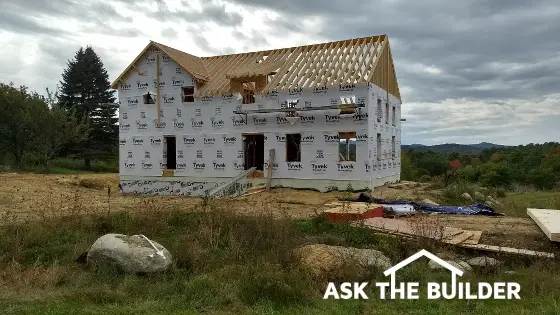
<point>293,147</point>
<point>187,94</point>
<point>253,151</point>
<point>149,98</point>
<point>347,146</point>
<point>171,152</point>
<point>387,113</point>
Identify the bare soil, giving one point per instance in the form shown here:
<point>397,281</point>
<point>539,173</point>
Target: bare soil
<point>35,196</point>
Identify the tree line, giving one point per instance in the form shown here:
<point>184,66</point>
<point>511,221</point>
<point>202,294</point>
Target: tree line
<point>76,121</point>
<point>536,165</point>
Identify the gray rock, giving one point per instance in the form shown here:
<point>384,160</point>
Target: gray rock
<point>479,195</point>
<point>455,263</point>
<point>466,196</point>
<point>131,254</point>
<point>430,202</point>
<point>494,201</point>
<point>483,261</point>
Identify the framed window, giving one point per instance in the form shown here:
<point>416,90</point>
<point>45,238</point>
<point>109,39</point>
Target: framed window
<point>394,116</point>
<point>293,147</point>
<point>379,147</point>
<point>347,146</point>
<point>387,113</point>
<point>248,96</point>
<point>393,147</point>
<point>379,110</point>
<point>187,94</point>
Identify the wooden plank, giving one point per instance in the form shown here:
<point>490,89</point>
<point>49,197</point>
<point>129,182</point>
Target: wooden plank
<point>157,92</point>
<point>249,193</point>
<point>548,220</point>
<point>356,207</point>
<point>508,250</point>
<point>460,238</point>
<point>398,227</point>
<point>475,238</point>
<point>270,162</point>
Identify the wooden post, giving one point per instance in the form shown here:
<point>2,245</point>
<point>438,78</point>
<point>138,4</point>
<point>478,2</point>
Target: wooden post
<point>270,161</point>
<point>157,91</point>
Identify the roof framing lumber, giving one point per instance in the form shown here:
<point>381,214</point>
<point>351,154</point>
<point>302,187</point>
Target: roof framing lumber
<point>358,60</point>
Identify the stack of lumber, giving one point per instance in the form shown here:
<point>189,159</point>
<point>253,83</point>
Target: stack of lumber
<point>352,211</point>
<point>447,235</point>
<point>548,220</point>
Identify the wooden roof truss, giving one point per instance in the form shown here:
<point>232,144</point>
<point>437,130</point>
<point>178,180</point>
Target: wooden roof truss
<point>359,60</point>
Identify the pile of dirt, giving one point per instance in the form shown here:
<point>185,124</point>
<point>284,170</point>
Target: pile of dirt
<point>256,174</point>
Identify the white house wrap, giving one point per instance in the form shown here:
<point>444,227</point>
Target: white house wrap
<point>200,122</point>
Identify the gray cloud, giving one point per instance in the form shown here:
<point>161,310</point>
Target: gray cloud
<point>169,32</point>
<point>24,25</point>
<point>211,12</point>
<point>462,39</point>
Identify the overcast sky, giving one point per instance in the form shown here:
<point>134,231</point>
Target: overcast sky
<point>469,71</point>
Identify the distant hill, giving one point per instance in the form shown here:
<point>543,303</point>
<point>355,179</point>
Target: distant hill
<point>452,147</point>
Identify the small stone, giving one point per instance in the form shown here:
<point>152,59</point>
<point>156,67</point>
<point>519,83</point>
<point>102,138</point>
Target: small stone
<point>479,196</point>
<point>483,261</point>
<point>466,196</point>
<point>430,202</point>
<point>459,264</point>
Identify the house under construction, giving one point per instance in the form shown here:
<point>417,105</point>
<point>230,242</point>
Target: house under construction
<point>323,116</point>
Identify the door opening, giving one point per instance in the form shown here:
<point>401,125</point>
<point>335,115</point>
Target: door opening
<point>171,152</point>
<point>253,145</point>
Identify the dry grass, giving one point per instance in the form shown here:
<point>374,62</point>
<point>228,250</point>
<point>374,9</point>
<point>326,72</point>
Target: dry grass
<point>25,197</point>
<point>224,263</point>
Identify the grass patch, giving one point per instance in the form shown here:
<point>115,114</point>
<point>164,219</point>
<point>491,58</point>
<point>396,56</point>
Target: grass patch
<point>227,264</point>
<point>518,203</point>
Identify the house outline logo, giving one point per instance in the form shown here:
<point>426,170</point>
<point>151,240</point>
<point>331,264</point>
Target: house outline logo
<point>422,253</point>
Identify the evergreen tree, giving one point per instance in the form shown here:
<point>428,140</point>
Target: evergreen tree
<point>85,89</point>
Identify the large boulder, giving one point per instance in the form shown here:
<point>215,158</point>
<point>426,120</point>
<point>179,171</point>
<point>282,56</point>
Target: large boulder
<point>131,254</point>
<point>324,259</point>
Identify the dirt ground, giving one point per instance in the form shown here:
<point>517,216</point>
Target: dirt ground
<point>35,196</point>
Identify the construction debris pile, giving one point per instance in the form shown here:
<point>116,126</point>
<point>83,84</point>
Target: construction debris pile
<point>405,206</point>
<point>382,216</point>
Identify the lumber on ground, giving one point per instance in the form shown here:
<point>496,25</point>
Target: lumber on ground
<point>548,220</point>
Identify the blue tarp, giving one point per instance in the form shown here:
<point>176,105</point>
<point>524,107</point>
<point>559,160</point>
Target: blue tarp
<point>474,209</point>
